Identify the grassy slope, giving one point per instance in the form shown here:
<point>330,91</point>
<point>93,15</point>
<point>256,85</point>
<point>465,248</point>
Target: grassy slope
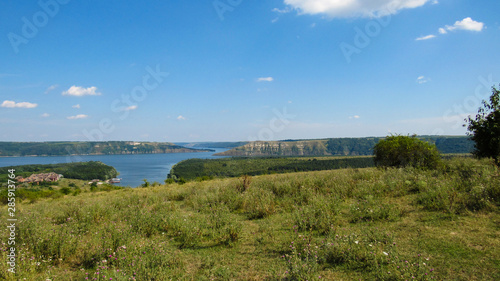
<point>341,223</point>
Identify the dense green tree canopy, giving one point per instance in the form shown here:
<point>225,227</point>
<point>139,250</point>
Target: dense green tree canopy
<point>402,151</point>
<point>485,128</point>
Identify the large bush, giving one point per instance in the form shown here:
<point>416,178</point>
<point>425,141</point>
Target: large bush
<point>403,151</point>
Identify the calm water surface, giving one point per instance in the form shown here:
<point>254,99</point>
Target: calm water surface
<point>132,168</point>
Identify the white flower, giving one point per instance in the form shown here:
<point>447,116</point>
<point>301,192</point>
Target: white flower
<point>356,242</point>
<point>385,253</point>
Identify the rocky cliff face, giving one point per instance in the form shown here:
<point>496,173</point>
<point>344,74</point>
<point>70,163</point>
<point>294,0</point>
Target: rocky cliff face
<point>279,148</point>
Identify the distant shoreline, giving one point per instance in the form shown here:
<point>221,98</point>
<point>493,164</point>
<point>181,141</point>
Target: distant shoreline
<point>92,154</point>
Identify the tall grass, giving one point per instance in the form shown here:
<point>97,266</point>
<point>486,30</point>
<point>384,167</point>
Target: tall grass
<point>369,224</point>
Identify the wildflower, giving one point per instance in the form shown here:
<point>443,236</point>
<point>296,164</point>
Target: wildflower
<point>385,253</point>
<point>356,242</point>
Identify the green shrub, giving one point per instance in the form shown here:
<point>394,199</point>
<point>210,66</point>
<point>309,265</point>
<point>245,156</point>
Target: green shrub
<point>65,190</point>
<point>181,180</point>
<point>403,151</point>
<point>169,181</point>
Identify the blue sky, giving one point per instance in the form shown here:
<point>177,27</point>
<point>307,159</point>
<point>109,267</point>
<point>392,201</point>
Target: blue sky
<point>243,70</point>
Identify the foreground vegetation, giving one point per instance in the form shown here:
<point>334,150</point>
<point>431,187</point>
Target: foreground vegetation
<point>351,224</point>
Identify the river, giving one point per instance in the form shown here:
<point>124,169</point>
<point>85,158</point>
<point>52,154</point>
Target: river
<point>133,168</point>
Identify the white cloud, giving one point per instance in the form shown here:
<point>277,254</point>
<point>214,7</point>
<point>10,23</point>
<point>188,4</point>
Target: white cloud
<point>265,79</point>
<point>12,104</point>
<point>79,116</point>
<point>76,106</point>
<point>80,91</point>
<point>423,79</point>
<point>45,115</point>
<point>275,20</point>
<point>354,117</point>
<point>282,11</point>
<point>132,107</point>
<point>353,8</point>
<point>180,117</point>
<point>51,88</point>
<point>426,37</point>
<point>465,24</point>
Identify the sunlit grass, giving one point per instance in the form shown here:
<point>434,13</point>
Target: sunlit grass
<point>369,224</point>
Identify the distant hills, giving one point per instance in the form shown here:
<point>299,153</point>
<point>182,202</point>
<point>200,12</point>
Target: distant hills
<point>318,147</point>
<point>90,148</point>
<point>212,144</point>
<point>339,146</point>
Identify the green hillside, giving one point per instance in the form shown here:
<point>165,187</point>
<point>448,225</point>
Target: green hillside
<point>89,148</point>
<point>340,146</point>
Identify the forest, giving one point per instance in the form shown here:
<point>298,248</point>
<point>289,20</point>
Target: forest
<point>192,169</point>
<point>78,170</point>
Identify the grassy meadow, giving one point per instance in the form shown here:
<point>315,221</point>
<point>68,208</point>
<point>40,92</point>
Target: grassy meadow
<point>348,224</point>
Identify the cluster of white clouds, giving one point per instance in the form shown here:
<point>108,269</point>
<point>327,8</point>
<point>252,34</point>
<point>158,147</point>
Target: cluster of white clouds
<point>13,104</point>
<point>467,24</point>
<point>80,91</point>
<point>371,9</point>
<point>75,91</point>
<point>352,8</point>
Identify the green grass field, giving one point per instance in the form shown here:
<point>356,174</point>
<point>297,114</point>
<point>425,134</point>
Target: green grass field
<point>348,224</point>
